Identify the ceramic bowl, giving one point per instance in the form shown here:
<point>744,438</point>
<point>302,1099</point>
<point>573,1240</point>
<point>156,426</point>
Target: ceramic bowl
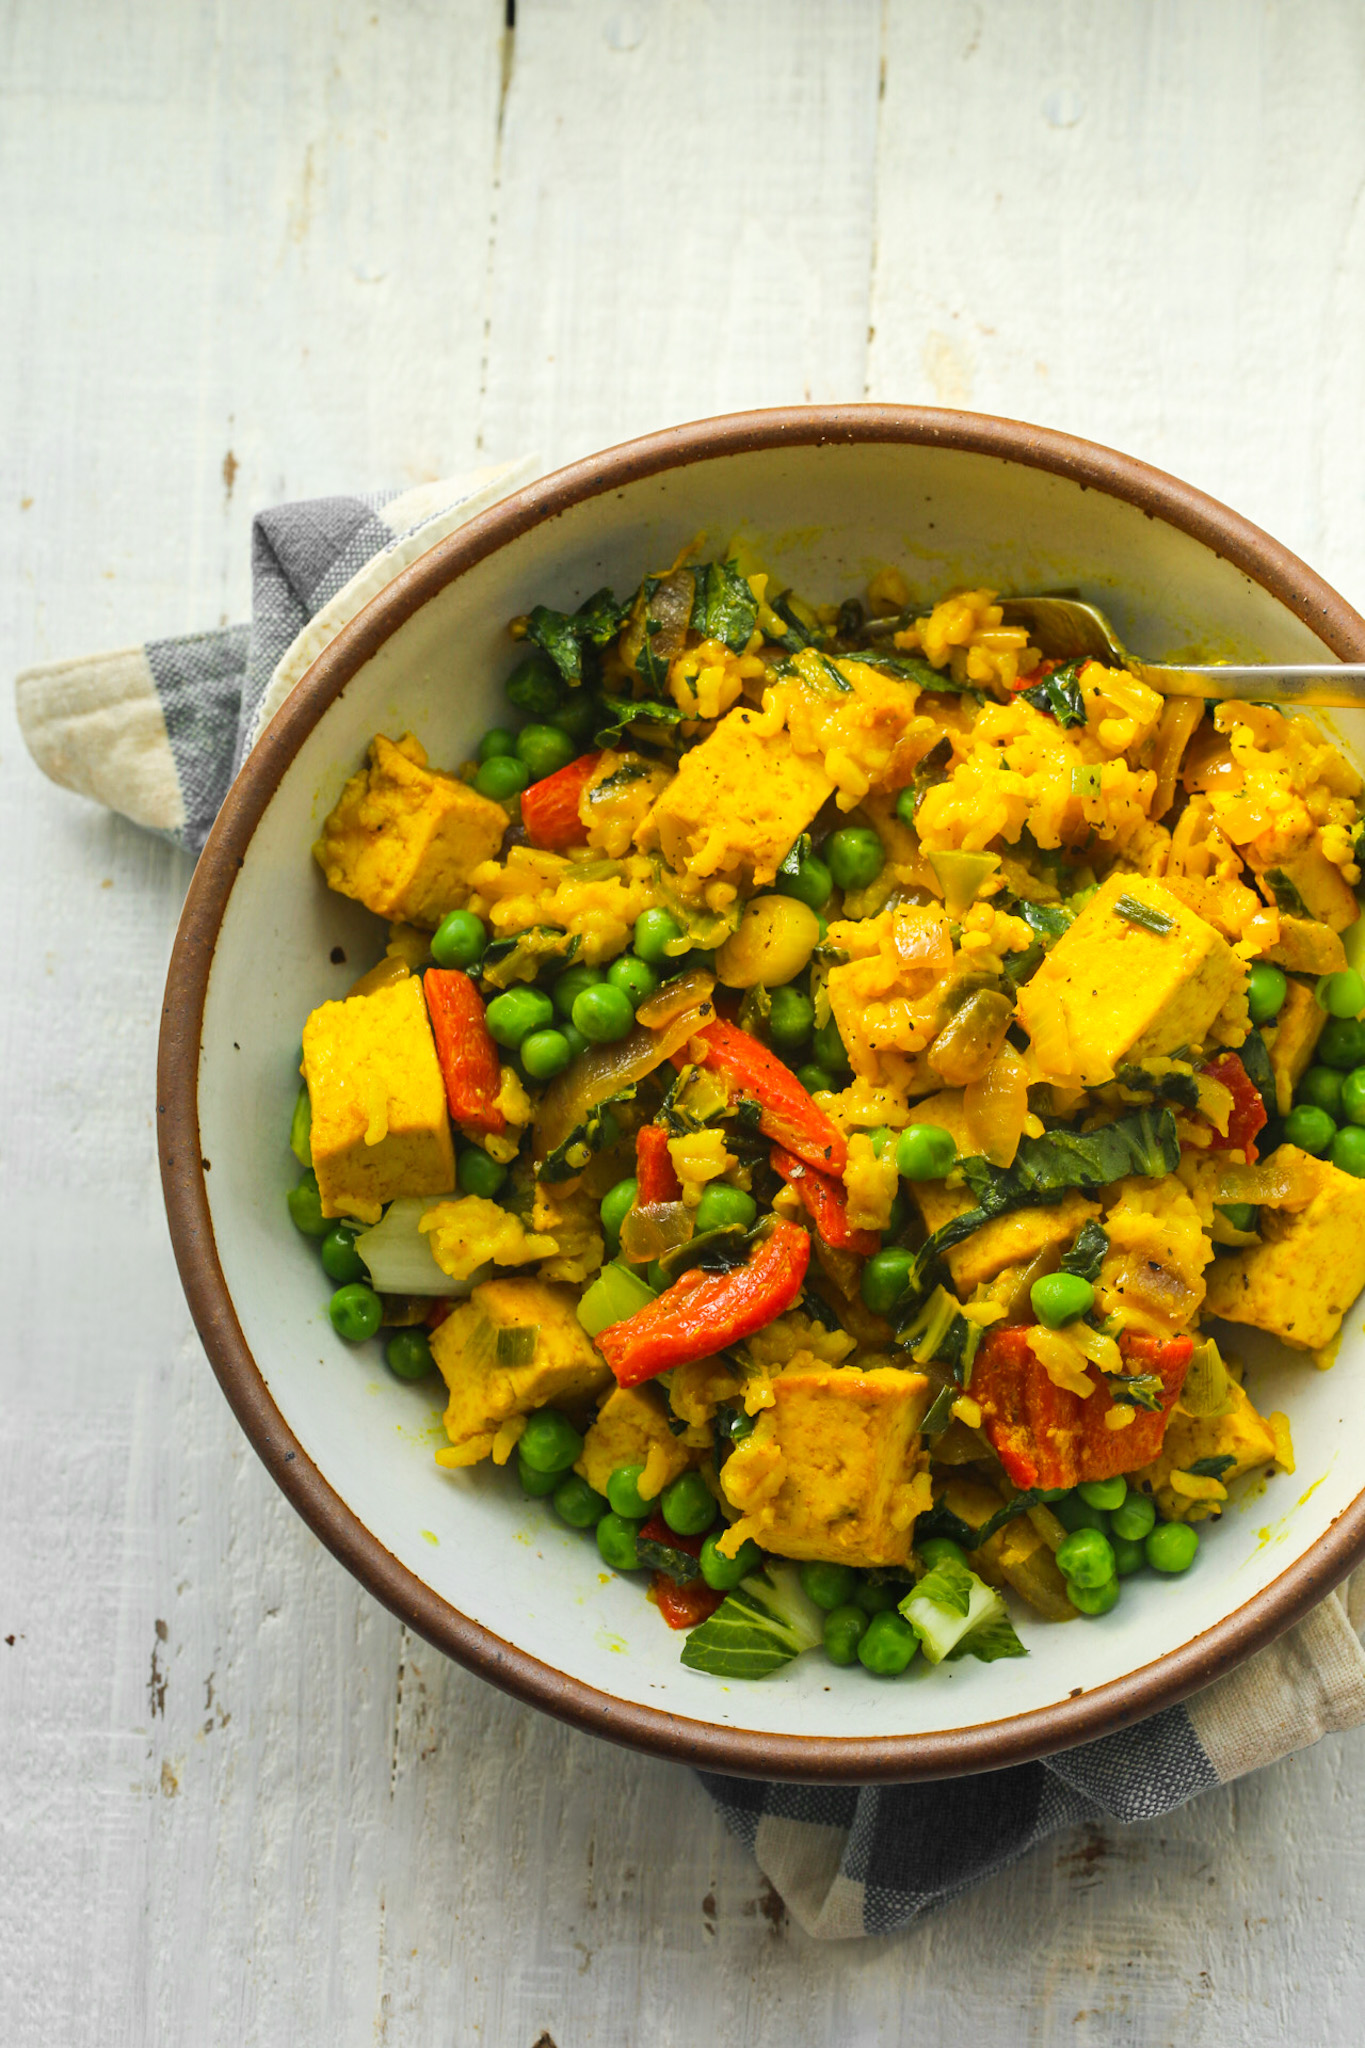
<point>826,495</point>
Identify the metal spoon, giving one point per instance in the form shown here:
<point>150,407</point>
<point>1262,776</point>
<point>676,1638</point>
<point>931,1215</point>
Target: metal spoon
<point>1066,629</point>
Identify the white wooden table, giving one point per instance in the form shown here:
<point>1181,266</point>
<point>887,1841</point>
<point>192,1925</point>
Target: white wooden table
<point>268,250</point>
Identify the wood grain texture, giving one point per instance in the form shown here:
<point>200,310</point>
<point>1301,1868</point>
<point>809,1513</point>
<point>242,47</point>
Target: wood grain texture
<point>265,251</point>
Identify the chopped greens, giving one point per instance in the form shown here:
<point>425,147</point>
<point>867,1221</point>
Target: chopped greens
<point>1151,920</point>
<point>956,1614</point>
<point>1059,694</point>
<point>522,955</point>
<point>564,635</point>
<point>596,1130</point>
<point>758,1628</point>
<point>1136,1390</point>
<point>1212,1468</point>
<point>1181,1088</point>
<point>1287,897</point>
<point>1088,1253</point>
<point>724,607</point>
<point>661,1556</point>
<point>628,711</point>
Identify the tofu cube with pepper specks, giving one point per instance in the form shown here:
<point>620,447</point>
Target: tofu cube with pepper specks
<point>1300,1281</point>
<point>380,1127</point>
<point>515,1345</point>
<point>1241,1435</point>
<point>403,839</point>
<point>1139,974</point>
<point>631,1429</point>
<point>1293,1042</point>
<point>834,1468</point>
<point>736,804</point>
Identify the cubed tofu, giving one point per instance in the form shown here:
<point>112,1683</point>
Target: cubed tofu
<point>834,1468</point>
<point>1298,1283</point>
<point>1241,1435</point>
<point>1294,1041</point>
<point>1318,882</point>
<point>1011,1240</point>
<point>1307,947</point>
<point>380,1127</point>
<point>404,839</point>
<point>631,1429</point>
<point>736,804</point>
<point>553,1361</point>
<point>1113,992</point>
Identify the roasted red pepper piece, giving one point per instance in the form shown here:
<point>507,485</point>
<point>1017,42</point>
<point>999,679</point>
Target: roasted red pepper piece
<point>656,1180</point>
<point>438,1312</point>
<point>684,1606</point>
<point>826,1204</point>
<point>468,1056</point>
<point>1046,1436</point>
<point>703,1312</point>
<point>1247,1115</point>
<point>549,808</point>
<point>788,1114</point>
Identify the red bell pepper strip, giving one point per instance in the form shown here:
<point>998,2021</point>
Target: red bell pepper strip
<point>1046,1436</point>
<point>549,808</point>
<point>1247,1115</point>
<point>703,1312</point>
<point>826,1204</point>
<point>468,1056</point>
<point>788,1114</point>
<point>684,1606</point>
<point>656,1180</point>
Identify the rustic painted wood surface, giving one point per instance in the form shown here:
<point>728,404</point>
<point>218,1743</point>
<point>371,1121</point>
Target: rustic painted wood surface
<point>264,251</point>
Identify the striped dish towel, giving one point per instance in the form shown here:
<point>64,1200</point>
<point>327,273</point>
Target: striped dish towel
<point>157,733</point>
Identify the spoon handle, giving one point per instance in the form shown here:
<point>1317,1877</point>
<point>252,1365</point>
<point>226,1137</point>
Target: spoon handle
<point>1329,684</point>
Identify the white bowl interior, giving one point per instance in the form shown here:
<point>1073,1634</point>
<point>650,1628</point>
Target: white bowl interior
<point>824,518</point>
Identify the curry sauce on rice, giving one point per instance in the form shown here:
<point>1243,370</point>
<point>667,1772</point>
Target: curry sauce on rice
<point>829,1096</point>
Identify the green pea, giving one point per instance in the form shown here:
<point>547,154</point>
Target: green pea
<point>1241,1215</point>
<point>537,1484</point>
<point>845,1628</point>
<point>356,1312</point>
<point>635,978</point>
<point>502,778</point>
<point>1342,1044</point>
<point>1108,1494</point>
<point>1351,1102</point>
<point>935,1549</point>
<point>1095,1599</point>
<point>855,855</point>
<point>812,883</point>
<point>458,940</point>
<point>545,749</point>
<point>1171,1547</point>
<point>624,1497</point>
<point>1348,1151</point>
<point>828,1585</point>
<point>1086,1558</point>
<point>1266,991</point>
<point>545,1054</point>
<point>617,1204</point>
<point>571,985</point>
<point>886,1278</point>
<point>1135,1519</point>
<point>1072,1512</point>
<point>1341,995</point>
<point>722,1573</point>
<point>878,1596</point>
<point>576,1503</point>
<point>305,1207</point>
<point>792,1019</point>
<point>1059,1298</point>
<point>515,1014</point>
<point>340,1259</point>
<point>1312,1130</point>
<point>617,1544</point>
<point>655,932</point>
<point>579,715</point>
<point>924,1152</point>
<point>1129,1556</point>
<point>688,1505</point>
<point>888,1645</point>
<point>828,1048</point>
<point>479,1175</point>
<point>721,1206</point>
<point>816,1080</point>
<point>549,1442</point>
<point>1322,1088</point>
<point>498,744</point>
<point>603,1014</point>
<point>534,687</point>
<point>408,1355</point>
<point>574,1039</point>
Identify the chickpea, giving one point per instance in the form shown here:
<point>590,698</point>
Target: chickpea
<point>775,940</point>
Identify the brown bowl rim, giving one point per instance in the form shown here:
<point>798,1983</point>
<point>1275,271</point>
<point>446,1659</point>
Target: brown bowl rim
<point>984,1746</point>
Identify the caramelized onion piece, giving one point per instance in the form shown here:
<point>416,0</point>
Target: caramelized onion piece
<point>604,1070</point>
<point>657,1228</point>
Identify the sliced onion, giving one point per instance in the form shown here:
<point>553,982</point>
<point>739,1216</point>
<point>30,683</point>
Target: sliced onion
<point>649,1232</point>
<point>606,1069</point>
<point>1277,1183</point>
<point>995,1108</point>
<point>675,997</point>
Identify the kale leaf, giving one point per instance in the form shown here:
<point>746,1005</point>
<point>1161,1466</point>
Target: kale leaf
<point>1287,897</point>
<point>1059,694</point>
<point>724,607</point>
<point>1180,1088</point>
<point>1088,1253</point>
<point>625,711</point>
<point>563,635</point>
<point>1212,1468</point>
